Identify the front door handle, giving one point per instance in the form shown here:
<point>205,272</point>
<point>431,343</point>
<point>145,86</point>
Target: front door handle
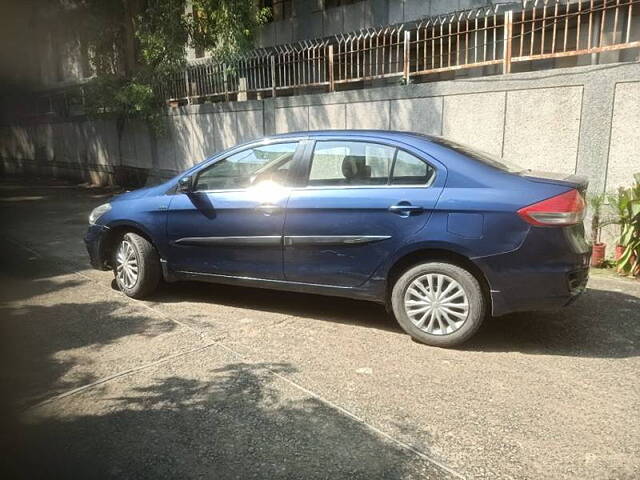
<point>406,209</point>
<point>268,208</point>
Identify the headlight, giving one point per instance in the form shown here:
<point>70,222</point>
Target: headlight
<point>97,212</point>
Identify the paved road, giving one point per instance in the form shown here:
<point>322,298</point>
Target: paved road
<point>222,382</point>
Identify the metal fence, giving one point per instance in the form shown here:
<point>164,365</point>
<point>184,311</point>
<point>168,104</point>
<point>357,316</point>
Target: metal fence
<point>283,67</point>
<point>561,29</point>
<point>485,37</point>
<point>476,38</point>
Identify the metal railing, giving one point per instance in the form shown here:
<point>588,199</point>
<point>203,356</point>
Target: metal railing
<point>472,39</point>
<point>485,37</point>
<point>283,67</point>
<point>461,40</point>
<point>566,29</point>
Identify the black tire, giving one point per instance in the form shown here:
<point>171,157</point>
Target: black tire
<point>148,261</point>
<point>477,305</point>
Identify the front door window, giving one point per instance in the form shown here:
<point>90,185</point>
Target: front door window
<point>248,168</point>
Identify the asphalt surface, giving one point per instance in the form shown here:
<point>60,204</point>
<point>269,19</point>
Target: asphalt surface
<point>207,381</point>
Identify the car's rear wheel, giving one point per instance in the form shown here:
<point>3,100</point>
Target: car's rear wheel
<point>136,266</point>
<point>438,303</point>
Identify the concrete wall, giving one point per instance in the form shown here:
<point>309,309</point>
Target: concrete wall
<point>581,120</point>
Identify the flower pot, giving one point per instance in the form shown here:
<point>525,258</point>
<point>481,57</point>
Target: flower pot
<point>597,254</point>
<point>619,252</point>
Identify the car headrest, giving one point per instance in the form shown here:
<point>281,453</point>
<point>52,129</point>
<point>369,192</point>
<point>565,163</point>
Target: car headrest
<point>354,167</point>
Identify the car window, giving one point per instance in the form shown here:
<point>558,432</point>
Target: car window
<point>249,167</point>
<point>479,155</point>
<point>410,170</point>
<point>350,163</point>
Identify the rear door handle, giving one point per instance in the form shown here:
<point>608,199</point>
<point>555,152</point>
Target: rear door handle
<point>268,208</point>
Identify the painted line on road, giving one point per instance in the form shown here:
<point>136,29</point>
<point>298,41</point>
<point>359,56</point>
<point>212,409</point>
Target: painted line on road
<point>216,343</point>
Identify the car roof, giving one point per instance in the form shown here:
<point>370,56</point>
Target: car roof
<point>386,134</point>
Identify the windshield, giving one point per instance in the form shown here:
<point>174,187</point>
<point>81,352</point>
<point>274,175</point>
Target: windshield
<point>479,155</point>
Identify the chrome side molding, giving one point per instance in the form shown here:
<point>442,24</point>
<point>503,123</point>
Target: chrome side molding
<point>276,240</point>
<point>304,240</point>
<point>249,241</point>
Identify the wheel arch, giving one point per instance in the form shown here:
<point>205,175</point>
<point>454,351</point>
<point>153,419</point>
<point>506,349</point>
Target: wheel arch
<point>422,255</point>
<point>115,233</point>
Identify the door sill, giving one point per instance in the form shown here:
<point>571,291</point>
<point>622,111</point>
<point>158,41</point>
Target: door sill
<point>239,278</point>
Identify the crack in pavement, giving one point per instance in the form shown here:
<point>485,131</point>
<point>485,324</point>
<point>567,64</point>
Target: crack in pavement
<point>74,270</point>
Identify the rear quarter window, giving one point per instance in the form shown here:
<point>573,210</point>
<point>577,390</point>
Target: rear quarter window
<point>410,170</point>
<point>479,155</point>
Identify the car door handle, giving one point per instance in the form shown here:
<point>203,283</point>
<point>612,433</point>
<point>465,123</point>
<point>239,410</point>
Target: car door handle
<point>268,208</point>
<point>405,209</point>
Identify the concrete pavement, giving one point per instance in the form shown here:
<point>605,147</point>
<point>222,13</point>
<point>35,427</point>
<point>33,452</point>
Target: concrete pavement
<point>207,381</point>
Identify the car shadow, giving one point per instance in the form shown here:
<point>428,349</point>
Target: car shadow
<point>313,307</point>
<point>600,324</point>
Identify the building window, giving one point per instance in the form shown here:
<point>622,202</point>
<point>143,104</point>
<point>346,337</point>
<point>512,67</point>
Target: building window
<point>280,9</point>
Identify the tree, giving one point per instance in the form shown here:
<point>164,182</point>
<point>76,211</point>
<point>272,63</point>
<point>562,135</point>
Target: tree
<point>136,45</point>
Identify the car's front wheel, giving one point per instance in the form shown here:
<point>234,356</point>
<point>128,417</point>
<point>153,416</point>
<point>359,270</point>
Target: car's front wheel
<point>136,266</point>
<point>438,303</point>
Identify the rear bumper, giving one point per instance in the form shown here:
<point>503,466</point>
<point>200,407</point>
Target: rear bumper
<point>93,240</point>
<point>545,273</point>
<point>541,291</point>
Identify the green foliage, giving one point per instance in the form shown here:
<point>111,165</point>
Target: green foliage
<point>163,35</point>
<point>112,94</point>
<point>596,201</point>
<point>618,203</point>
<point>136,45</point>
<point>103,31</point>
<point>629,205</point>
<point>225,28</point>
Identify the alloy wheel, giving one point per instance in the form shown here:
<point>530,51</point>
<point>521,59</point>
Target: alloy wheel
<point>436,304</point>
<point>126,265</point>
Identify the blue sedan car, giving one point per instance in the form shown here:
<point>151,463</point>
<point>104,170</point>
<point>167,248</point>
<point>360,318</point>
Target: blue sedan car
<point>441,234</point>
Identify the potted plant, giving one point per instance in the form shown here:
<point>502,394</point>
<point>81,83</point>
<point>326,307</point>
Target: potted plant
<point>629,262</point>
<point>596,201</point>
<point>618,203</point>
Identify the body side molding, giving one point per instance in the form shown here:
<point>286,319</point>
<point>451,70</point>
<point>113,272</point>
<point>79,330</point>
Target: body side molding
<point>248,241</point>
<point>302,240</point>
<point>274,240</point>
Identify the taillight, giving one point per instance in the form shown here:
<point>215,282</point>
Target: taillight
<point>565,209</point>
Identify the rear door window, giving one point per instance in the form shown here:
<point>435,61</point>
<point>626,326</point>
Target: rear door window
<point>344,163</point>
<point>350,163</point>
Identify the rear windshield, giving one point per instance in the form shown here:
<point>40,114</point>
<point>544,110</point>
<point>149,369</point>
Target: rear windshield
<point>479,155</point>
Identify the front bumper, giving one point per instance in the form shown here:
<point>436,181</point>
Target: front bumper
<point>94,241</point>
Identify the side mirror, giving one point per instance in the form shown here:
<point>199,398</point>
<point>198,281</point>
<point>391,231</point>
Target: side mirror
<point>184,185</point>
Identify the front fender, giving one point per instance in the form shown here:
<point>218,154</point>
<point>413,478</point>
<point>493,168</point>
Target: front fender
<point>147,215</point>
